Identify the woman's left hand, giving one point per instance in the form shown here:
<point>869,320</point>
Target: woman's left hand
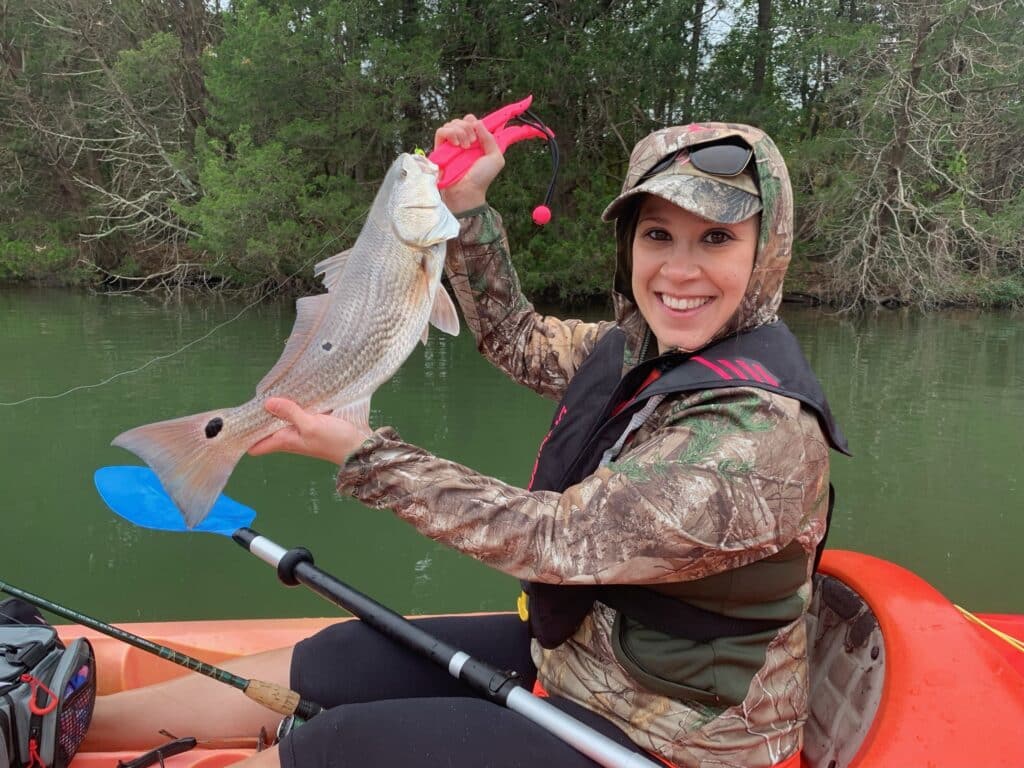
<point>318,435</point>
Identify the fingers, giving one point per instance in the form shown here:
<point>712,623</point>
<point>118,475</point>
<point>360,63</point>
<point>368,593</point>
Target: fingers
<point>272,444</point>
<point>290,411</point>
<point>487,141</point>
<point>459,132</point>
<point>318,435</point>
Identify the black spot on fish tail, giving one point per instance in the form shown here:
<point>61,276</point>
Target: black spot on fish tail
<point>327,345</point>
<point>214,426</point>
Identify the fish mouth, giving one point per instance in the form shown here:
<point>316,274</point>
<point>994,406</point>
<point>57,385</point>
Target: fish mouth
<point>426,165</point>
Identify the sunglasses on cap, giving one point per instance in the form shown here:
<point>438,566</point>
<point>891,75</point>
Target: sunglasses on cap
<point>726,158</point>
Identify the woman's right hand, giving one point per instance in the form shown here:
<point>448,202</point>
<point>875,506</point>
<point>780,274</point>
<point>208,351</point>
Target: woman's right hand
<point>471,190</point>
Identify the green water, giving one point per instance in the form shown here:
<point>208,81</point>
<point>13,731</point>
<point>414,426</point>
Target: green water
<point>933,406</point>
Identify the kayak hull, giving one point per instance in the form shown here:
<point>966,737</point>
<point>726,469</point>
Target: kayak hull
<point>899,676</point>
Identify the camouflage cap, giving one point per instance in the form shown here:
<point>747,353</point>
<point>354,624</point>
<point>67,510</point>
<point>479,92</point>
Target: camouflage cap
<point>725,199</point>
<point>716,198</point>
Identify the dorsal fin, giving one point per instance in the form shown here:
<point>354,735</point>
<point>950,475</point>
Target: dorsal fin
<point>310,310</point>
<point>331,269</point>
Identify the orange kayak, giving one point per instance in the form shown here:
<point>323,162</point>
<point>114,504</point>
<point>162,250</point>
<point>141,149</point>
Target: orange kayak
<point>899,675</point>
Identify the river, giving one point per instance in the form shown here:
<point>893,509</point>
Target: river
<point>932,404</point>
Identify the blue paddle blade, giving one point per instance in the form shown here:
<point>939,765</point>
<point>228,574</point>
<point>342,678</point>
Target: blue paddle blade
<point>135,493</point>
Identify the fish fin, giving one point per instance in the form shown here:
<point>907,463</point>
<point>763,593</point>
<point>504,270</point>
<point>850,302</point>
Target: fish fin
<point>310,310</point>
<point>443,315</point>
<point>358,412</point>
<point>445,228</point>
<point>425,337</point>
<point>331,268</point>
<point>192,467</point>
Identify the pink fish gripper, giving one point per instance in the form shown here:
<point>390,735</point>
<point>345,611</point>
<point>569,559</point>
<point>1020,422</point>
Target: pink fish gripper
<point>455,162</point>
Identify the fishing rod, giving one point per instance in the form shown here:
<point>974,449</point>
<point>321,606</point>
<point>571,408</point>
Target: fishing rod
<point>135,493</point>
<point>271,695</point>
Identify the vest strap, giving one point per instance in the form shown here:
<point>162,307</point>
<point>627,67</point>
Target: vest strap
<point>678,618</point>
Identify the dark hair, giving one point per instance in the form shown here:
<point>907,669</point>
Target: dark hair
<point>625,231</point>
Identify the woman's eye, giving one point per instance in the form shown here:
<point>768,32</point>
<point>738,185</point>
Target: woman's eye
<point>655,233</point>
<point>718,237</point>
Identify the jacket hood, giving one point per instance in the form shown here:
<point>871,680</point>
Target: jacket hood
<point>763,295</point>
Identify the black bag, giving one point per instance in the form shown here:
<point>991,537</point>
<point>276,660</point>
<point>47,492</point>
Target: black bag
<point>47,691</point>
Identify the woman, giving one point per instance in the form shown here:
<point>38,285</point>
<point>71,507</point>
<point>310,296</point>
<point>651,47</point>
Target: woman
<point>667,538</point>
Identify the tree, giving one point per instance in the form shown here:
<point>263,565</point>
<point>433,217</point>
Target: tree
<point>928,194</point>
<point>109,98</point>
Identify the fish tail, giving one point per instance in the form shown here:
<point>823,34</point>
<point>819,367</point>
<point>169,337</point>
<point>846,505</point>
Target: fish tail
<point>192,464</point>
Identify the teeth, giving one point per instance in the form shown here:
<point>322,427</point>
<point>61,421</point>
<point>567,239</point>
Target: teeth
<point>673,303</point>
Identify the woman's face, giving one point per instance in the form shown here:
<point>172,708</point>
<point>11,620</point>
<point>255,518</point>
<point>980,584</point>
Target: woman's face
<point>689,274</point>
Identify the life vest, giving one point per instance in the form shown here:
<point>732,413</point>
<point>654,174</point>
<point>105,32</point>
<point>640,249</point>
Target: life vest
<point>591,419</point>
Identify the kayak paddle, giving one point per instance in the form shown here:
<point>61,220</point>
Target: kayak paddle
<point>121,489</point>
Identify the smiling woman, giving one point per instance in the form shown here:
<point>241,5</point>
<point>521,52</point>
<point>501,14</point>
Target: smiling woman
<point>667,540</point>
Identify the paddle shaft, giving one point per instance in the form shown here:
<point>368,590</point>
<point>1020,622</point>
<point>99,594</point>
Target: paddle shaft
<point>296,566</point>
<point>273,696</point>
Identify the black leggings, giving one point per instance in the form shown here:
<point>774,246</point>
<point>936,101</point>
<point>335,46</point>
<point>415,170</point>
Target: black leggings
<point>391,707</point>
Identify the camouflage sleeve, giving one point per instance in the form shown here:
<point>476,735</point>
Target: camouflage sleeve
<point>538,351</point>
<point>720,479</point>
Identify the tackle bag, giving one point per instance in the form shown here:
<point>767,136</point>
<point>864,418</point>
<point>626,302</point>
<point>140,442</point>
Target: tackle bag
<point>47,691</point>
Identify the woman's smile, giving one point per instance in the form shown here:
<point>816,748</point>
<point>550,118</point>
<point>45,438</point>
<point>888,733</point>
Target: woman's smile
<point>683,304</point>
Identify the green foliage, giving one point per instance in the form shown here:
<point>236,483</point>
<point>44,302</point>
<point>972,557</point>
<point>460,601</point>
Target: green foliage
<point>1005,292</point>
<point>34,251</point>
<point>570,260</point>
<point>262,215</point>
<point>147,70</point>
<point>252,135</point>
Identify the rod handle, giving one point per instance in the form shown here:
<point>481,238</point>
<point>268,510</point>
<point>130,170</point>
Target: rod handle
<point>273,696</point>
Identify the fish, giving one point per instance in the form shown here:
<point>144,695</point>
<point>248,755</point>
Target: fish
<point>382,296</point>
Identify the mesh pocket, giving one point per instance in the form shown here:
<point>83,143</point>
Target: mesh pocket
<point>76,708</point>
<point>75,716</point>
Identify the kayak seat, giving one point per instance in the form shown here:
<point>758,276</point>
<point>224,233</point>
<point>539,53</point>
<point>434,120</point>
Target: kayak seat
<point>847,673</point>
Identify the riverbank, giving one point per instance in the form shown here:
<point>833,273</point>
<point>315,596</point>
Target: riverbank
<point>806,283</point>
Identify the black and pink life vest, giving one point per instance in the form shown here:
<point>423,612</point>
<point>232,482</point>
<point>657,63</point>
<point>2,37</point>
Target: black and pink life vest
<point>596,409</point>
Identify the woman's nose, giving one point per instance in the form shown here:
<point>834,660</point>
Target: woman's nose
<point>680,265</point>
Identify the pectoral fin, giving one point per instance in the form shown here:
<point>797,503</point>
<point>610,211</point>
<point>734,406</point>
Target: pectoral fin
<point>443,315</point>
<point>358,412</point>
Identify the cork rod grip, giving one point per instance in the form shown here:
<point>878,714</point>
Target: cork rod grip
<point>273,696</point>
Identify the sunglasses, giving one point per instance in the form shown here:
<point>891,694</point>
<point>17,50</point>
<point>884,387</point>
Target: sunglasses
<point>721,159</point>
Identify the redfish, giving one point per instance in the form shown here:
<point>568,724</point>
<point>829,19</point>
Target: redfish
<point>382,296</point>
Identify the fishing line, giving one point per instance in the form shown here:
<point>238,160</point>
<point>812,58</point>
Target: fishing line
<point>208,334</point>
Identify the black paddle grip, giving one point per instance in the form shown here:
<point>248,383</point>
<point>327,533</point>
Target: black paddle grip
<point>291,560</point>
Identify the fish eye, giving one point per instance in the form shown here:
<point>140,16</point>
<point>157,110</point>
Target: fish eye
<point>405,173</point>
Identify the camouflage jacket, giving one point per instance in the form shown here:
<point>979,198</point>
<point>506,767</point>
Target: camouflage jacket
<point>672,508</point>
